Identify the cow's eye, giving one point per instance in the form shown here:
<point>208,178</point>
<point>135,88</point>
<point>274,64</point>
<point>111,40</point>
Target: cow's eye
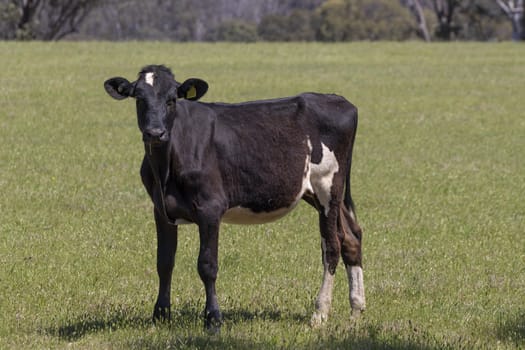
<point>170,103</point>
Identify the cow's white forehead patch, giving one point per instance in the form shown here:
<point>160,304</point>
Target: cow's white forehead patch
<point>150,77</point>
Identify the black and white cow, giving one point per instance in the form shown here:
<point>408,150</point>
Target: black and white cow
<point>245,163</point>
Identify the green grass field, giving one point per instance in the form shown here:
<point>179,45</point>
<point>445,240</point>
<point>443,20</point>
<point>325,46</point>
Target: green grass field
<point>438,180</point>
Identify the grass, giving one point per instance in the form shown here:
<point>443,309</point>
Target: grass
<point>437,179</point>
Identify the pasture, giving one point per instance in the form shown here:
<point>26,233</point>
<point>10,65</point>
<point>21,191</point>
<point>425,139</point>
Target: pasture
<point>437,177</point>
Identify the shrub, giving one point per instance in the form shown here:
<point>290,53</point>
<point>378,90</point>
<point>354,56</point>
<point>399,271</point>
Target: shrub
<point>345,20</point>
<point>234,30</point>
<point>295,27</point>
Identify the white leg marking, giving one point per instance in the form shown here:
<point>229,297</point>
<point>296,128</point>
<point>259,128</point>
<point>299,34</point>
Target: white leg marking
<point>322,177</point>
<point>357,288</point>
<point>324,298</point>
<point>149,78</point>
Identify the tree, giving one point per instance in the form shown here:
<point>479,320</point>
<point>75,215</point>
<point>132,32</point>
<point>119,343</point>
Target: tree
<point>514,11</point>
<point>334,16</point>
<point>275,20</point>
<point>8,20</point>
<point>182,20</point>
<point>301,26</point>
<point>480,20</point>
<point>44,19</point>
<point>444,11</point>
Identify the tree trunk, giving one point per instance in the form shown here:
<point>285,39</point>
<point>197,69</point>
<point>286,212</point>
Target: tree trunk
<point>444,10</point>
<point>514,11</point>
<point>28,9</point>
<point>417,11</point>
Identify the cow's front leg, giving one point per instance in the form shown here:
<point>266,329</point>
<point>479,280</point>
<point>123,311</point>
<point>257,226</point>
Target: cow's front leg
<point>166,248</point>
<point>208,267</point>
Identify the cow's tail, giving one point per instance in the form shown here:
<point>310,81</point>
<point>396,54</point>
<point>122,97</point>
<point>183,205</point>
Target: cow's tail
<point>349,203</point>
<point>349,231</point>
<point>350,236</point>
<point>347,215</point>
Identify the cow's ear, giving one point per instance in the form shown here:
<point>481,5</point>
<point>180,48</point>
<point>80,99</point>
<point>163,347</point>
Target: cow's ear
<point>118,88</point>
<point>192,89</point>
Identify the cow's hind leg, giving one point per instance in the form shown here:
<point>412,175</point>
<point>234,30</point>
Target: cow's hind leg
<point>350,236</point>
<point>330,255</point>
<point>166,248</point>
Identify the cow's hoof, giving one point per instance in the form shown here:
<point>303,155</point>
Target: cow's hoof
<point>318,319</point>
<point>356,313</point>
<point>161,314</point>
<point>213,322</point>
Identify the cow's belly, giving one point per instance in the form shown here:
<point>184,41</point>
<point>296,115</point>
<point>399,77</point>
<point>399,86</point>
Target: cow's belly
<point>245,216</point>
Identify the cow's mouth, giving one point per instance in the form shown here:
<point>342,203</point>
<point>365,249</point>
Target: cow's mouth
<point>155,137</point>
<point>154,142</point>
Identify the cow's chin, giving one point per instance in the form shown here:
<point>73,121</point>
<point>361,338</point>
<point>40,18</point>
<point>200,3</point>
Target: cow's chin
<point>154,144</point>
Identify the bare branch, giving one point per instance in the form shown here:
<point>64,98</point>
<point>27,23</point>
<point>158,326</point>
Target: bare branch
<point>511,7</point>
<point>514,11</point>
<point>417,10</point>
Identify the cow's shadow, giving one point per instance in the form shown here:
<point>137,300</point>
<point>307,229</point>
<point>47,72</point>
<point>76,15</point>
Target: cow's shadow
<point>191,314</point>
<point>243,315</point>
<point>75,329</point>
<point>187,314</point>
<point>512,329</point>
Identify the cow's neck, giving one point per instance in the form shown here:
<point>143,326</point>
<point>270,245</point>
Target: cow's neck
<point>159,161</point>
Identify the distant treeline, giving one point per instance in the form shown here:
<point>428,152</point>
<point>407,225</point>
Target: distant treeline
<point>256,20</point>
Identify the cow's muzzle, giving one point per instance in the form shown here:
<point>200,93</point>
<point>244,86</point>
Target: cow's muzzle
<point>155,136</point>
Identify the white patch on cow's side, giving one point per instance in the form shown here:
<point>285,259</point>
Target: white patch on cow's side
<point>357,288</point>
<point>322,177</point>
<point>149,78</point>
<point>306,186</point>
<point>324,298</point>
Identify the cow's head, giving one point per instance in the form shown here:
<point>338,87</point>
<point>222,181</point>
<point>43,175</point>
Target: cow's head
<point>156,92</point>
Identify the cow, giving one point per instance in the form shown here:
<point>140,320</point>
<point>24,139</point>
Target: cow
<point>244,163</point>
